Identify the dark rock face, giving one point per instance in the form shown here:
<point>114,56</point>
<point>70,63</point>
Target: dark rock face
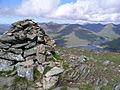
<point>24,48</point>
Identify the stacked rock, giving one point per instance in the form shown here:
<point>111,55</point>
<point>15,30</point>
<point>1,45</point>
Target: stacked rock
<point>26,46</point>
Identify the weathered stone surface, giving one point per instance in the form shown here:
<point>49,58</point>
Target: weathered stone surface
<point>49,82</point>
<point>66,88</point>
<point>30,52</point>
<point>54,71</point>
<point>12,57</point>
<point>49,63</point>
<point>5,65</point>
<point>117,87</point>
<point>30,45</point>
<point>25,72</point>
<point>31,37</point>
<point>39,84</point>
<point>7,39</point>
<point>6,81</point>
<point>6,68</point>
<point>19,45</point>
<point>33,57</point>
<point>107,62</point>
<point>40,54</point>
<point>4,46</point>
<point>20,36</point>
<point>83,58</point>
<point>49,48</point>
<point>16,51</point>
<point>27,63</point>
<point>41,58</point>
<point>41,49</point>
<point>40,68</point>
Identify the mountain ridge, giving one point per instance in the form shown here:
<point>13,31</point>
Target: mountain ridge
<point>72,34</point>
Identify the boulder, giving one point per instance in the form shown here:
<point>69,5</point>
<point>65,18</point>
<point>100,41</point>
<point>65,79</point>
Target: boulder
<point>54,71</point>
<point>41,58</point>
<point>6,65</point>
<point>11,56</point>
<point>49,82</point>
<point>25,72</point>
<point>30,52</point>
<point>8,39</point>
<point>27,63</point>
<point>6,81</point>
<point>30,45</point>
<point>117,87</point>
<point>40,68</point>
<point>5,46</point>
<point>15,51</point>
<point>20,45</point>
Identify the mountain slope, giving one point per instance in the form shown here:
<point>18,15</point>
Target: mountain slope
<point>75,34</point>
<point>109,32</point>
<point>71,34</point>
<point>113,45</point>
<point>93,27</point>
<point>73,40</point>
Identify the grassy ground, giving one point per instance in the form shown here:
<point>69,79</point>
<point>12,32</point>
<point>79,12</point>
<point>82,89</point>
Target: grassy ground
<point>99,71</point>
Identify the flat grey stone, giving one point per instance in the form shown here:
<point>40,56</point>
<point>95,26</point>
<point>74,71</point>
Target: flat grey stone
<point>11,56</point>
<point>30,45</point>
<point>67,88</point>
<point>20,45</point>
<point>16,51</point>
<point>6,81</point>
<point>54,71</point>
<point>25,23</point>
<point>8,39</point>
<point>27,63</point>
<point>33,57</point>
<point>49,48</point>
<point>30,52</point>
<point>5,65</point>
<point>117,87</point>
<point>41,49</point>
<point>49,82</point>
<point>41,58</point>
<point>25,72</point>
<point>40,68</point>
<point>5,46</point>
<point>31,37</point>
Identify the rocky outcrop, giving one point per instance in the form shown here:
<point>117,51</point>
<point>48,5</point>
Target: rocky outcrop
<point>26,48</point>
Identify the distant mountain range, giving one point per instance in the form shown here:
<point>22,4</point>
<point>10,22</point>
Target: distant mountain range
<point>80,35</point>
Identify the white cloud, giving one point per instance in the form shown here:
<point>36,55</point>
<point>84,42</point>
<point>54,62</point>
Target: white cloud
<point>90,10</point>
<point>36,7</point>
<point>85,10</point>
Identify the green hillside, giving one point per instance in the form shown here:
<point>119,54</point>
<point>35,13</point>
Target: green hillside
<point>113,45</point>
<point>71,34</point>
<point>108,32</point>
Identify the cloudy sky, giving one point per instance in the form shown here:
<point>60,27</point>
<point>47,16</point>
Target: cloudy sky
<point>61,11</point>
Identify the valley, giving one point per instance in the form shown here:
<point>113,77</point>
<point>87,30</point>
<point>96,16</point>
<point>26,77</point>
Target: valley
<point>87,36</point>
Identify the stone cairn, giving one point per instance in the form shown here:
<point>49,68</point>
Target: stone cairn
<point>26,48</point>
